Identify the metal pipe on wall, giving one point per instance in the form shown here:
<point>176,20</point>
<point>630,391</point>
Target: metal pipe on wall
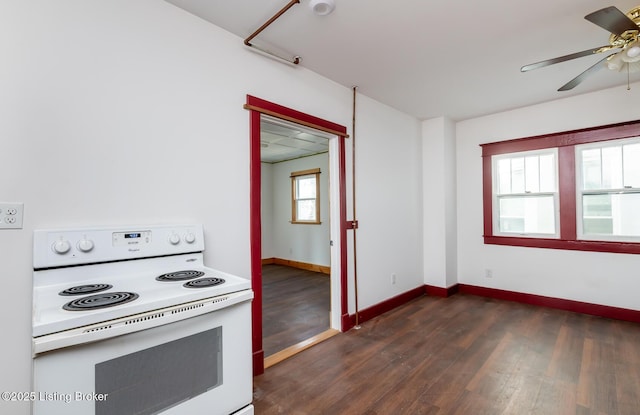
<point>353,205</point>
<point>247,41</point>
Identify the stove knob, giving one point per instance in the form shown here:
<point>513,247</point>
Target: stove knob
<point>85,245</point>
<point>61,247</point>
<point>174,239</point>
<point>190,238</point>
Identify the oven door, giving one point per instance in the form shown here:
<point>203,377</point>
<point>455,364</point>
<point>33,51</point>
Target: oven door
<point>200,365</point>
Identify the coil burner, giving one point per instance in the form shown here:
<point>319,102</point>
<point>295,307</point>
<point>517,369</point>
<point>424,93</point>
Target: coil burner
<point>203,282</point>
<point>98,301</point>
<point>180,275</point>
<point>86,289</point>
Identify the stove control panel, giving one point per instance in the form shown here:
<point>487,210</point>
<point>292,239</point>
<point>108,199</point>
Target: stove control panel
<point>131,238</point>
<point>61,247</point>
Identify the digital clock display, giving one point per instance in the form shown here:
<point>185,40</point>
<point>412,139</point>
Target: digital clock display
<point>131,239</point>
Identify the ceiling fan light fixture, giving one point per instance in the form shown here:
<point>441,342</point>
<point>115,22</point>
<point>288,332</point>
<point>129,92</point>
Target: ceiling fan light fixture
<point>322,7</point>
<point>615,62</point>
<point>624,37</point>
<point>634,51</point>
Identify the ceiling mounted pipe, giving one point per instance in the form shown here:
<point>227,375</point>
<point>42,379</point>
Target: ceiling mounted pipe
<point>296,59</point>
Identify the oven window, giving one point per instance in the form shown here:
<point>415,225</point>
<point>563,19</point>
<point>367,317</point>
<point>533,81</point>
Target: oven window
<point>157,378</point>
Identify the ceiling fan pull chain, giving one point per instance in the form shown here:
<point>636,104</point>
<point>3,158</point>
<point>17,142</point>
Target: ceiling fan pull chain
<point>628,83</point>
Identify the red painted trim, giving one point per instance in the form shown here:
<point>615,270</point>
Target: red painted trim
<point>567,192</point>
<point>387,305</point>
<point>434,291</point>
<point>288,112</point>
<point>258,363</point>
<point>487,195</point>
<point>255,226</point>
<point>342,178</point>
<point>532,299</point>
<point>255,229</point>
<point>351,224</point>
<point>347,322</point>
<point>572,245</point>
<point>551,302</point>
<point>566,142</point>
<point>565,138</point>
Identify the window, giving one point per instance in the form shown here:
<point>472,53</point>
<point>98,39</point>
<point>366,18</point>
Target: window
<point>609,190</point>
<point>305,196</point>
<point>525,193</point>
<point>572,190</point>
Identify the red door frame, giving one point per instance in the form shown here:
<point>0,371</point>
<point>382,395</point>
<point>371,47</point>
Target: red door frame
<point>256,107</point>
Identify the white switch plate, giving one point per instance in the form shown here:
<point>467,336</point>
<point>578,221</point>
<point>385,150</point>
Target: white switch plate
<point>11,215</point>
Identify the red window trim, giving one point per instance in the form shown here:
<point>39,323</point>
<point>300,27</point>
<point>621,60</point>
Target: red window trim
<point>565,142</point>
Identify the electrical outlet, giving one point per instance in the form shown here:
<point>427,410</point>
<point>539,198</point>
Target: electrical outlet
<point>393,279</point>
<point>11,215</point>
<point>488,273</point>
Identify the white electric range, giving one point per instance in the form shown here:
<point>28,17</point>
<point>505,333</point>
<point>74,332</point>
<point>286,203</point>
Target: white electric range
<point>129,320</point>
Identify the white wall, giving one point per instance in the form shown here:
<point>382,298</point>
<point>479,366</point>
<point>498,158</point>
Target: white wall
<point>122,112</point>
<point>600,278</point>
<point>439,202</point>
<point>303,243</point>
<point>389,202</point>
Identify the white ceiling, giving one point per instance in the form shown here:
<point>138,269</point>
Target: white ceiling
<point>281,140</point>
<point>431,58</point>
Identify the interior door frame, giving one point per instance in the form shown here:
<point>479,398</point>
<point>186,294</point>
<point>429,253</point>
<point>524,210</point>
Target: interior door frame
<point>257,107</point>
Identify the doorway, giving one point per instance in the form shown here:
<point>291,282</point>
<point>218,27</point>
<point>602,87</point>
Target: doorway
<point>337,207</point>
<point>295,236</point>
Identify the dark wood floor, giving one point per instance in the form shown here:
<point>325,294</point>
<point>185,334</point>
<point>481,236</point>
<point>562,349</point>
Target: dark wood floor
<point>463,355</point>
<point>296,305</point>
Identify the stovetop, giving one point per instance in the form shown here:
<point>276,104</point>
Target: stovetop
<point>136,276</point>
<point>132,270</point>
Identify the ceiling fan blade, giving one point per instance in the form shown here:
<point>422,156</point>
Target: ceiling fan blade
<point>564,58</point>
<point>578,79</point>
<point>612,19</point>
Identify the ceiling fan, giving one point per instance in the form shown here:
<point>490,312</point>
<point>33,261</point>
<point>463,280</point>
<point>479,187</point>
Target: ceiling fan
<point>625,34</point>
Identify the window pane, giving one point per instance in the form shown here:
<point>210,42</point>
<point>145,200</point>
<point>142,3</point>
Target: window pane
<point>611,214</point>
<point>612,167</point>
<point>531,214</point>
<point>532,174</point>
<point>596,216</point>
<point>632,165</point>
<point>306,187</point>
<point>625,208</point>
<point>547,173</point>
<point>511,215</point>
<point>596,205</point>
<point>306,210</point>
<point>591,171</point>
<point>504,176</point>
<point>517,175</point>
<point>528,174</point>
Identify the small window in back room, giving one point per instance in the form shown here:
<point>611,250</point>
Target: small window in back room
<point>526,193</point>
<point>305,195</point>
<point>608,182</point>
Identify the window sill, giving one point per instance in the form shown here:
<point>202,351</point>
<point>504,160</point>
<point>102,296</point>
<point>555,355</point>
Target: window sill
<point>574,245</point>
<point>296,222</point>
